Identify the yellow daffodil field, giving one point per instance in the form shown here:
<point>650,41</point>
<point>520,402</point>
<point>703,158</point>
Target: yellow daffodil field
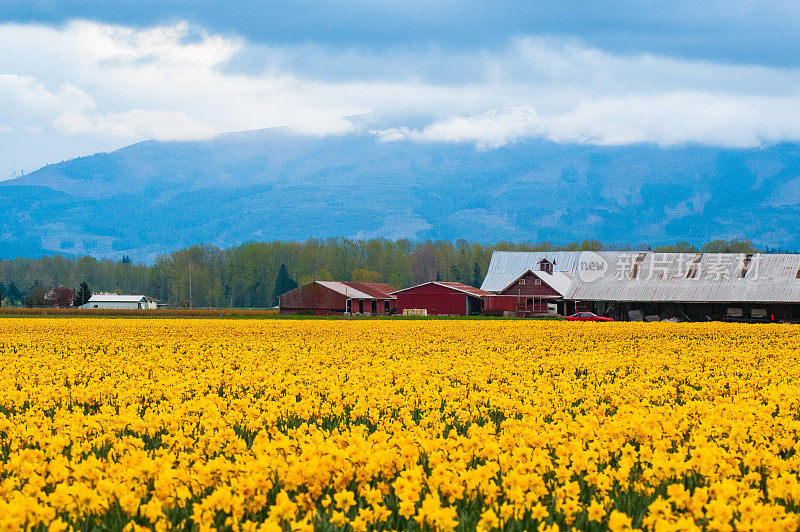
<point>196,424</point>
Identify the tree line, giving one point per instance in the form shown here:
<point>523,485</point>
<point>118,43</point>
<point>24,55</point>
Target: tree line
<point>252,275</point>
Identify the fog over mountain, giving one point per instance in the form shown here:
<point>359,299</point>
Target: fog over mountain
<point>153,197</point>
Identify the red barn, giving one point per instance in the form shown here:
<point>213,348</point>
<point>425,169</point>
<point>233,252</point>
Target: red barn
<point>530,293</point>
<point>324,298</point>
<point>438,297</point>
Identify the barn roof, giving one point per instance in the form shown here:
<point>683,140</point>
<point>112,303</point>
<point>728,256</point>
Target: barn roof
<point>461,287</point>
<point>355,290</point>
<point>691,278</point>
<point>558,281</point>
<point>717,277</point>
<point>376,290</point>
<point>508,266</point>
<point>117,298</point>
<point>345,289</point>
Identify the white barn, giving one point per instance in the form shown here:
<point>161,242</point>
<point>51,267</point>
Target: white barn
<point>121,302</point>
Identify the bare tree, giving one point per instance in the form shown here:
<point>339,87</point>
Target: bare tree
<point>425,264</point>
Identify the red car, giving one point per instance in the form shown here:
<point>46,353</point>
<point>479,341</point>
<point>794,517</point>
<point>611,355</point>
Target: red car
<point>586,316</point>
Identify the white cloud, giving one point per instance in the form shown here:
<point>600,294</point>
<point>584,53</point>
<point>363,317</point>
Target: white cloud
<point>137,123</point>
<point>665,119</point>
<point>488,130</point>
<point>84,87</point>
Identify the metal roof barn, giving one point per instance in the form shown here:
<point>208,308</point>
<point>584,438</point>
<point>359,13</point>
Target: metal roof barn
<point>692,278</point>
<point>660,285</point>
<point>335,297</point>
<point>506,267</point>
<point>532,294</point>
<point>120,302</point>
<point>650,276</point>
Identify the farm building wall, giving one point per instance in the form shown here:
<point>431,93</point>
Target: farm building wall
<point>312,298</point>
<point>519,305</point>
<point>118,305</point>
<point>318,298</point>
<point>435,299</point>
<point>735,311</point>
<point>370,306</point>
<point>527,286</point>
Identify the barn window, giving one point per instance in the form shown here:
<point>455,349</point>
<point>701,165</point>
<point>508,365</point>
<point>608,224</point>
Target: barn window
<point>522,281</point>
<point>537,282</point>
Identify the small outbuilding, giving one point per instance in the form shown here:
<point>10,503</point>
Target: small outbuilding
<point>324,298</point>
<point>121,302</point>
<point>442,298</point>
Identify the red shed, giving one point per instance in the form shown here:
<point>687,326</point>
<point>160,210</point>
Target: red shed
<point>438,297</point>
<point>333,297</point>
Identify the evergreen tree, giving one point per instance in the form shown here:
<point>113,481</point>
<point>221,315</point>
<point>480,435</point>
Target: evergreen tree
<point>455,275</point>
<point>283,283</point>
<point>14,295</point>
<point>477,280</point>
<point>82,295</point>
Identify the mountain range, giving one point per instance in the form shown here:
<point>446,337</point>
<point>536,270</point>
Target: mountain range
<point>153,197</point>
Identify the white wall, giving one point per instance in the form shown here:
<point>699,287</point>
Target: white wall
<point>118,305</point>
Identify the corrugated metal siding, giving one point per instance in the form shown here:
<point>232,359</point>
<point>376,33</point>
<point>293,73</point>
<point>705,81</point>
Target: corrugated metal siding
<point>663,277</point>
<point>376,290</point>
<point>461,287</point>
<point>344,289</point>
<point>435,297</point>
<point>507,266</point>
<point>312,296</point>
<point>116,298</point>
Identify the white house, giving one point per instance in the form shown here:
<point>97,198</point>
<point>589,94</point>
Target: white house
<point>114,301</point>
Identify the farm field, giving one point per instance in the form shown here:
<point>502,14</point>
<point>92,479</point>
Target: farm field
<point>275,425</point>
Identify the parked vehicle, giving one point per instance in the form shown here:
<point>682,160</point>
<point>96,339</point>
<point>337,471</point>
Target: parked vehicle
<point>587,316</point>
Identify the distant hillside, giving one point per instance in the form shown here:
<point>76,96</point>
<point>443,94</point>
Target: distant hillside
<point>153,197</point>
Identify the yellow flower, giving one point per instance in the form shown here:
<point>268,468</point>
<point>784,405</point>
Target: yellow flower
<point>57,525</point>
<point>595,512</point>
<point>344,500</point>
<point>489,521</point>
<point>618,522</point>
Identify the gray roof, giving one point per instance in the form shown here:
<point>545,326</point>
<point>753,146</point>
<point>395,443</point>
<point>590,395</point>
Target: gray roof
<point>347,291</point>
<point>117,298</point>
<point>558,281</point>
<point>508,266</point>
<point>691,278</point>
<point>667,277</point>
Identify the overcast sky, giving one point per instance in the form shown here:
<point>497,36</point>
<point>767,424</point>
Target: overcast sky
<point>85,76</point>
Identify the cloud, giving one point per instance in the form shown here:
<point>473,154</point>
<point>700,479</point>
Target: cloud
<point>83,87</point>
<point>138,123</point>
<point>488,130</point>
<point>664,119</point>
